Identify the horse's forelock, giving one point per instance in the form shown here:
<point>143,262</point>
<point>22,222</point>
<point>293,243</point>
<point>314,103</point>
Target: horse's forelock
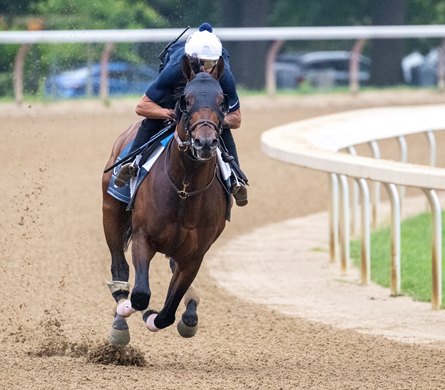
<point>202,80</point>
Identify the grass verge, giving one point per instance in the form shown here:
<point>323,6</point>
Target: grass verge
<point>416,255</point>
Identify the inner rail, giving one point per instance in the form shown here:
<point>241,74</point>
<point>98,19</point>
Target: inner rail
<point>315,143</point>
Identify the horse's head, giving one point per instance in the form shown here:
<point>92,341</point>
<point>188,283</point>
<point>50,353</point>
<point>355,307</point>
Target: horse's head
<point>203,106</point>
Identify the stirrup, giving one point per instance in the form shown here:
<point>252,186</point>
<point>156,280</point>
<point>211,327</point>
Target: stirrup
<point>126,172</point>
<point>239,192</point>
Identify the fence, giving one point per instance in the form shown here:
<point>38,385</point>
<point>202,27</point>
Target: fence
<point>315,144</point>
<point>276,35</point>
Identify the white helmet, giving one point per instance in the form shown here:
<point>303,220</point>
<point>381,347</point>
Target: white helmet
<point>204,44</point>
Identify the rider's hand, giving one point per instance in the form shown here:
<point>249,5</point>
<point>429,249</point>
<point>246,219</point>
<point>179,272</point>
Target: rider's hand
<point>170,115</point>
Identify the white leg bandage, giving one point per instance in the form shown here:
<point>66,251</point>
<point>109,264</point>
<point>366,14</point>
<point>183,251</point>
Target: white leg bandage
<point>116,285</point>
<point>150,323</point>
<point>124,308</point>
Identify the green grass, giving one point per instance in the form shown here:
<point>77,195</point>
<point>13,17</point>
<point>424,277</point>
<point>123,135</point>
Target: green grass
<point>416,242</point>
<point>303,90</point>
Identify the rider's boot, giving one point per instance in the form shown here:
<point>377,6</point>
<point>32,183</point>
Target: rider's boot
<point>126,172</point>
<point>239,190</point>
<point>130,169</point>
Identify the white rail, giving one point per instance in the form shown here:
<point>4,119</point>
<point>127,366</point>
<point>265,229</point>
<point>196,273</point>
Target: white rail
<point>226,34</point>
<point>315,143</point>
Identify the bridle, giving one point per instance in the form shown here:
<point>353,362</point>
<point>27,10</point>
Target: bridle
<point>189,143</point>
<point>183,146</point>
<point>189,128</point>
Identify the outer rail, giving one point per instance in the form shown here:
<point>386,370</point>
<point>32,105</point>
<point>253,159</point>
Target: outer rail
<point>315,143</point>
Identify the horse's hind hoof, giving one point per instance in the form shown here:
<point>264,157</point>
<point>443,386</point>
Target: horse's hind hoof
<point>185,330</point>
<point>119,338</point>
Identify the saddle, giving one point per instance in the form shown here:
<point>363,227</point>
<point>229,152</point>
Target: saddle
<point>146,158</point>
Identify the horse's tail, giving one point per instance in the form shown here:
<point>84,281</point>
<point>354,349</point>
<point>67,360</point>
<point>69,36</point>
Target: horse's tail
<point>127,236</point>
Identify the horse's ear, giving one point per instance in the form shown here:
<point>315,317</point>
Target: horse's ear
<point>218,69</point>
<point>187,69</point>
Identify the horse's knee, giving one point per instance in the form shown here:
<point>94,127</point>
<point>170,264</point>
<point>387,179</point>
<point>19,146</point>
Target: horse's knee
<point>139,300</point>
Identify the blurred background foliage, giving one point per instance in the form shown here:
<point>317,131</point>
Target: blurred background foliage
<point>133,14</point>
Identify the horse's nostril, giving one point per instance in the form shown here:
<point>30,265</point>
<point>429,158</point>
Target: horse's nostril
<point>198,143</point>
<point>214,143</point>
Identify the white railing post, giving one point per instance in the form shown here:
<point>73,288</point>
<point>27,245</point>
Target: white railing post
<point>403,158</point>
<point>376,193</point>
<point>355,196</point>
<point>344,223</point>
<point>395,238</point>
<point>333,218</point>
<point>436,215</point>
<point>365,249</point>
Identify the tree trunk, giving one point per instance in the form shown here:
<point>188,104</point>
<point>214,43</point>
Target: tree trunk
<point>386,54</point>
<point>247,59</point>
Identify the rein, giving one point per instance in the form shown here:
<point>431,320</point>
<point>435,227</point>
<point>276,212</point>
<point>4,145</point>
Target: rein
<point>183,194</point>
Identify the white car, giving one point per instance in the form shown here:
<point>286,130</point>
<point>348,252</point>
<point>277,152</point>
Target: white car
<point>320,68</point>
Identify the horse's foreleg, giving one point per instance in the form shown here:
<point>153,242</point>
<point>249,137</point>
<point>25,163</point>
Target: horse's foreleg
<point>142,254</point>
<point>180,283</point>
<point>188,324</point>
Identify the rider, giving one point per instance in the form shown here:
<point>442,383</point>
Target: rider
<point>157,105</point>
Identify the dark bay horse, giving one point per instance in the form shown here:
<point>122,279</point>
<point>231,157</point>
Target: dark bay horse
<point>179,210</point>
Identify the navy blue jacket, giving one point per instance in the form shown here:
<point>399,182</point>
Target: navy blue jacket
<point>167,87</point>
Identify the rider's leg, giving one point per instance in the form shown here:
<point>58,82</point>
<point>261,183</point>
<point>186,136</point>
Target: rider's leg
<point>147,129</point>
<point>239,191</point>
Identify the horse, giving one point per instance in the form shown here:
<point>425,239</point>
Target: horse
<point>179,210</point>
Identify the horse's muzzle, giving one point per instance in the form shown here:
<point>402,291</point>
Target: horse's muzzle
<point>205,148</point>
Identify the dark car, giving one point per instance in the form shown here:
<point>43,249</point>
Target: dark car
<point>320,69</point>
<point>124,78</point>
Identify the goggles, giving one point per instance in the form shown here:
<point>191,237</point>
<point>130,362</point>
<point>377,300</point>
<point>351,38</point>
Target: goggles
<point>208,64</point>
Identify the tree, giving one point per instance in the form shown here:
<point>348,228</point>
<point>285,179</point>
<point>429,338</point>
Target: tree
<point>386,54</point>
<point>247,59</point>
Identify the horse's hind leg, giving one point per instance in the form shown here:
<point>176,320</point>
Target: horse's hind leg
<point>188,324</point>
<point>116,224</point>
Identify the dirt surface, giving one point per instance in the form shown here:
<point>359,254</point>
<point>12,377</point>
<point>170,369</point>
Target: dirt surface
<point>54,263</point>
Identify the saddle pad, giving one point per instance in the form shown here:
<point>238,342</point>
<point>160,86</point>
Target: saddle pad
<point>126,193</point>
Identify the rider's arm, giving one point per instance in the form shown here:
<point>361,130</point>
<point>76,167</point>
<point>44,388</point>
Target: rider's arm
<point>233,119</point>
<point>149,109</point>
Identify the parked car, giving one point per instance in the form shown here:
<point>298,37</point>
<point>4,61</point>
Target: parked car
<point>288,75</point>
<point>421,70</point>
<point>123,78</point>
<point>320,69</point>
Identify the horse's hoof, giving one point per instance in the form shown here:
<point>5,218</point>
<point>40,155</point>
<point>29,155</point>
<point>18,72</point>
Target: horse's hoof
<point>185,330</point>
<point>119,337</point>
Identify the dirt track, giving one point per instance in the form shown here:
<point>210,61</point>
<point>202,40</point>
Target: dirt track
<point>54,263</point>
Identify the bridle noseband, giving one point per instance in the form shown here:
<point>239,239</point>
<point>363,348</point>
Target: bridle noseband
<point>189,128</point>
